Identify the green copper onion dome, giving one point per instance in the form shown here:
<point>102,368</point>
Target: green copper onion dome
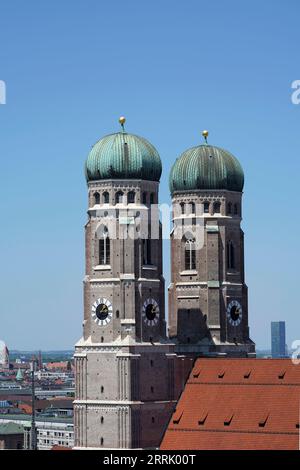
<point>206,167</point>
<point>123,156</point>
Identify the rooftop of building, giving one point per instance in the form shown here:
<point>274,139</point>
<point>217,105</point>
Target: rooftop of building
<point>11,428</point>
<point>61,392</point>
<point>26,417</point>
<point>59,447</point>
<point>58,365</point>
<point>237,404</point>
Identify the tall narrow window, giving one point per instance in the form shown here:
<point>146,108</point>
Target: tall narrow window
<point>147,256</point>
<point>217,207</point>
<point>229,208</point>
<point>230,255</point>
<point>144,251</point>
<point>152,196</point>
<point>236,209</point>
<point>206,207</point>
<point>106,197</point>
<point>144,198</point>
<point>131,197</point>
<point>193,208</point>
<point>182,207</point>
<point>96,198</point>
<point>190,255</point>
<point>119,197</point>
<point>104,249</point>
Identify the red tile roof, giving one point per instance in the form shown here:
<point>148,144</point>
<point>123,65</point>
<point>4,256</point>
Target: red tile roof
<point>237,404</point>
<point>26,408</point>
<point>58,447</point>
<point>58,365</point>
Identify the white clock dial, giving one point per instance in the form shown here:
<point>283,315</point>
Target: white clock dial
<point>102,311</point>
<point>234,313</point>
<point>150,312</point>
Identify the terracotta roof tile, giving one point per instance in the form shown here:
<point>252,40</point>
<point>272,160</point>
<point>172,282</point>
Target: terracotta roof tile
<point>58,447</point>
<point>237,404</point>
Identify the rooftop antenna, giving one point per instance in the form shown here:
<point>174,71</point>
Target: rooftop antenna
<point>122,121</point>
<point>205,135</point>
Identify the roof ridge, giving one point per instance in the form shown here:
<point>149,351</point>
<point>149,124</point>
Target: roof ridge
<point>190,382</point>
<point>228,430</point>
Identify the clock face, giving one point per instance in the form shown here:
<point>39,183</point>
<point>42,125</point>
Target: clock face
<point>234,313</point>
<point>150,312</point>
<point>102,311</point>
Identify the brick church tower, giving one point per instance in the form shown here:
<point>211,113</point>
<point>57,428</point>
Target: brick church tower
<point>208,306</point>
<point>125,366</point>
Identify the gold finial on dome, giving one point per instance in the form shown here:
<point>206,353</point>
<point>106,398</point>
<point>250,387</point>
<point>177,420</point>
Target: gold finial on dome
<point>205,135</point>
<point>122,121</point>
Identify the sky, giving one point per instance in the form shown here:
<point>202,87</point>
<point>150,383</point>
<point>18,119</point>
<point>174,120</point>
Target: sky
<point>173,68</point>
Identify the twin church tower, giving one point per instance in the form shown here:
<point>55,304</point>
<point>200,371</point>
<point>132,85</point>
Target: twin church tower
<point>130,370</point>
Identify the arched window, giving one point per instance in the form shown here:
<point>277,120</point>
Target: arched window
<point>96,198</point>
<point>193,208</point>
<point>236,209</point>
<point>144,198</point>
<point>152,198</point>
<point>230,256</point>
<point>217,207</point>
<point>106,197</point>
<point>131,197</point>
<point>190,255</point>
<point>182,207</point>
<point>229,208</point>
<point>104,248</point>
<point>119,197</point>
<point>206,207</point>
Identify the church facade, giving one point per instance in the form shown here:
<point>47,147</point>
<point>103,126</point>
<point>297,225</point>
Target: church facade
<point>129,370</point>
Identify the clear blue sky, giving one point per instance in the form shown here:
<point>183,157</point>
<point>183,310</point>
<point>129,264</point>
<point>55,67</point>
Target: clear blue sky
<point>172,68</point>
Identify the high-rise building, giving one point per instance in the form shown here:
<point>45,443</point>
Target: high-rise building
<point>208,305</point>
<point>126,368</point>
<point>278,341</point>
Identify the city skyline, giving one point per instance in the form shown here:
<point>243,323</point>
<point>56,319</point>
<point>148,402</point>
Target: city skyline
<point>60,100</point>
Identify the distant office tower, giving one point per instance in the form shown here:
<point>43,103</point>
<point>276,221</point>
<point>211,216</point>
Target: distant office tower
<point>278,339</point>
